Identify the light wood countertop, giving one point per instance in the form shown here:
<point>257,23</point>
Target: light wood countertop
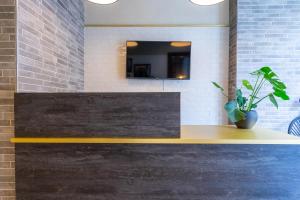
<point>192,134</point>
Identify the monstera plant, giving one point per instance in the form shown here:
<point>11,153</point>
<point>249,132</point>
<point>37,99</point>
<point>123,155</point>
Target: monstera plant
<point>241,110</point>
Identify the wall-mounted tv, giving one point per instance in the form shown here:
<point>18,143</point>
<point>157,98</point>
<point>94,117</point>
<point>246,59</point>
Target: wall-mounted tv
<point>158,60</point>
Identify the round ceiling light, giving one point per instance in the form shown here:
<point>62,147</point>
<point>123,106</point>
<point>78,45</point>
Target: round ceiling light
<point>206,2</point>
<point>103,1</point>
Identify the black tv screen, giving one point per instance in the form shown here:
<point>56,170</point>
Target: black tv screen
<point>158,60</point>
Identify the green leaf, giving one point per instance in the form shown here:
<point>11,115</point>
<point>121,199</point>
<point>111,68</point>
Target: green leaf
<point>218,86</point>
<point>236,116</point>
<point>272,74</point>
<point>278,84</point>
<point>247,85</point>
<point>253,106</point>
<point>233,113</point>
<point>240,99</point>
<point>266,70</point>
<point>238,93</point>
<point>272,78</point>
<point>256,73</point>
<point>230,106</point>
<point>281,93</point>
<point>245,100</point>
<point>273,100</point>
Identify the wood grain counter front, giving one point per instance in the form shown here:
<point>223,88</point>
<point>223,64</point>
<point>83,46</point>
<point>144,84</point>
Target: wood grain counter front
<point>207,163</point>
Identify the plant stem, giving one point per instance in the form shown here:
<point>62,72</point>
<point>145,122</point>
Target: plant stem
<point>258,90</point>
<point>260,85</point>
<point>254,93</point>
<point>261,99</point>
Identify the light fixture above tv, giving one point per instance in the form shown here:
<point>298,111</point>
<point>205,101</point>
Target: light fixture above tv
<point>103,1</point>
<point>198,2</point>
<point>158,60</point>
<point>206,2</point>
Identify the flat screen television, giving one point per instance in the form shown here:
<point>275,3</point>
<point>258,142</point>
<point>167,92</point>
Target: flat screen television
<point>158,60</point>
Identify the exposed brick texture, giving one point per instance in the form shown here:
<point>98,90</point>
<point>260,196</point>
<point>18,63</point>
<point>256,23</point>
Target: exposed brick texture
<point>268,34</point>
<point>7,88</point>
<point>50,45</point>
<point>232,48</point>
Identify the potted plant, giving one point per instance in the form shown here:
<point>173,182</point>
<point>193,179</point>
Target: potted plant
<point>241,110</point>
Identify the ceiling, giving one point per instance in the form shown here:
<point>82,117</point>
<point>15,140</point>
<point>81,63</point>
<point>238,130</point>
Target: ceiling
<point>177,12</point>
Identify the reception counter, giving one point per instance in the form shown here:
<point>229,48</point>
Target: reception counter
<point>206,163</point>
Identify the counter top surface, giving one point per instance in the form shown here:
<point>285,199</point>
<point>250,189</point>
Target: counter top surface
<point>191,134</point>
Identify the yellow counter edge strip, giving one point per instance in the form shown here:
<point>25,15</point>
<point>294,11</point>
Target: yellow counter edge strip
<point>146,141</point>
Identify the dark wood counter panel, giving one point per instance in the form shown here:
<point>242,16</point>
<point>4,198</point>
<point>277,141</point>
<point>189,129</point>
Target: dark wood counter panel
<point>151,115</point>
<point>157,172</point>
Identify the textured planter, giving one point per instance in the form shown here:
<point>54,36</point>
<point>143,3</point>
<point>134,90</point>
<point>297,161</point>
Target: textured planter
<point>249,122</point>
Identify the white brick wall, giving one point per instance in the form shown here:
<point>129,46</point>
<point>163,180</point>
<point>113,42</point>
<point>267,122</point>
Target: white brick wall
<point>268,34</point>
<point>50,45</point>
<point>201,104</point>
